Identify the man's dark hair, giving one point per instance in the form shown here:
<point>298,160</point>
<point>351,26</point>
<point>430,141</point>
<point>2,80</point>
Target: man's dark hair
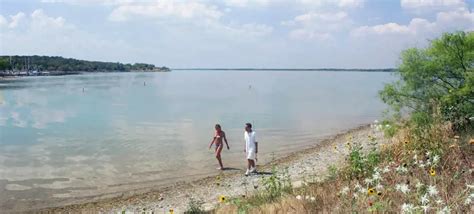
<point>248,125</point>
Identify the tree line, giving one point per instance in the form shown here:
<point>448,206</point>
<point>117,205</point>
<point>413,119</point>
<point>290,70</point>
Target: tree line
<point>56,63</point>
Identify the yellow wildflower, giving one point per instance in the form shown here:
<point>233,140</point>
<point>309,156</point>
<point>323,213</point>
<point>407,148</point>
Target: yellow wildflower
<point>371,191</point>
<point>222,199</point>
<point>432,172</point>
<point>171,211</point>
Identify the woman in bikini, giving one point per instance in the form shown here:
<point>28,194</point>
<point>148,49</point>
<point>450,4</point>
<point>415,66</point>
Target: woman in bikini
<point>219,145</point>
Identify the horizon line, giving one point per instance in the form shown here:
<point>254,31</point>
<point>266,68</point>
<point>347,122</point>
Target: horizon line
<point>294,69</point>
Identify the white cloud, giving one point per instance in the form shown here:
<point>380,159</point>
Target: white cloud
<point>164,9</point>
<point>41,20</point>
<point>16,19</point>
<point>246,3</point>
<point>333,3</point>
<point>460,19</point>
<point>303,34</point>
<point>318,26</point>
<point>255,29</point>
<point>41,34</point>
<point>423,6</point>
<point>90,2</point>
<point>3,21</point>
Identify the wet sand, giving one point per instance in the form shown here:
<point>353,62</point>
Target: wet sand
<point>308,165</point>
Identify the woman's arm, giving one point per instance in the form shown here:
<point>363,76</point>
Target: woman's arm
<point>212,142</point>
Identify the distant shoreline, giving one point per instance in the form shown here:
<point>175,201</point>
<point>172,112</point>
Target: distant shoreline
<point>66,73</point>
<point>291,69</point>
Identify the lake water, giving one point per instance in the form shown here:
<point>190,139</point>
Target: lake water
<point>75,136</point>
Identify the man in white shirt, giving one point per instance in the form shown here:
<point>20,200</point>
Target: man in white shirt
<point>251,148</point>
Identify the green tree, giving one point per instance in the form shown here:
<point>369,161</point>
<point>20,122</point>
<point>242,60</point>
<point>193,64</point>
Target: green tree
<point>437,80</point>
<point>4,64</point>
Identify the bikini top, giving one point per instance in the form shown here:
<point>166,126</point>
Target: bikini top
<point>218,134</point>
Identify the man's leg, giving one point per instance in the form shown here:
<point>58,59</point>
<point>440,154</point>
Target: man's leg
<point>253,169</point>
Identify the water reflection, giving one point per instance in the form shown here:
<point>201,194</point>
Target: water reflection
<point>89,134</point>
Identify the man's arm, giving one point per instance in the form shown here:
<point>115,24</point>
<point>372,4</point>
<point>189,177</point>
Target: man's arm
<point>256,147</point>
<point>225,139</point>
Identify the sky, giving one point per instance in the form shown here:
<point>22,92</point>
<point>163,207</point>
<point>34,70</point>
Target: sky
<point>230,33</point>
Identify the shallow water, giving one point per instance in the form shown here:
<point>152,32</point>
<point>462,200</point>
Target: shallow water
<point>85,135</point>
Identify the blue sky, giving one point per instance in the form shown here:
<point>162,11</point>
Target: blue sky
<point>230,33</point>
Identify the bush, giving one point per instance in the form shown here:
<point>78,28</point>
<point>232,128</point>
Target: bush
<point>437,79</point>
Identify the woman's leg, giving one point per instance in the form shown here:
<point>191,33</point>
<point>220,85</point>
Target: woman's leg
<point>218,155</point>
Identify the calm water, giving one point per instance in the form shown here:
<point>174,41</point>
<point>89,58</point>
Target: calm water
<point>102,133</point>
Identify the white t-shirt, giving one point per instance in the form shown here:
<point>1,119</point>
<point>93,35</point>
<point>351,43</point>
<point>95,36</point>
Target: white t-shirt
<point>250,141</point>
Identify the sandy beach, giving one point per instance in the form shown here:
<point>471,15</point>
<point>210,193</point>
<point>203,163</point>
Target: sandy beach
<point>308,165</point>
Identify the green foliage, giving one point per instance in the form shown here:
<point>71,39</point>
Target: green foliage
<point>361,164</point>
<point>333,172</point>
<point>276,184</point>
<point>436,80</point>
<point>195,207</point>
<point>4,64</point>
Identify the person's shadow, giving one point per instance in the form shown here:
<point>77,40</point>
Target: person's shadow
<point>236,169</point>
<point>230,169</point>
<point>264,173</point>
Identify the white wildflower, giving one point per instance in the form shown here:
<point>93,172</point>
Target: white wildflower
<point>419,185</point>
<point>468,201</point>
<point>376,176</point>
<point>355,195</point>
<point>298,197</point>
<point>424,199</point>
<point>401,169</point>
<point>386,169</point>
<point>387,126</point>
<point>432,190</point>
<point>435,159</point>
<point>407,208</point>
<point>379,187</point>
<point>428,162</point>
<point>307,197</point>
<point>415,157</point>
<point>376,121</point>
<point>470,186</point>
<point>344,191</point>
<point>421,165</point>
<point>357,187</point>
<point>368,181</point>
<point>313,198</point>
<point>402,188</point>
<point>428,153</point>
<point>445,210</point>
<point>439,201</point>
<point>425,208</point>
<point>376,169</point>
